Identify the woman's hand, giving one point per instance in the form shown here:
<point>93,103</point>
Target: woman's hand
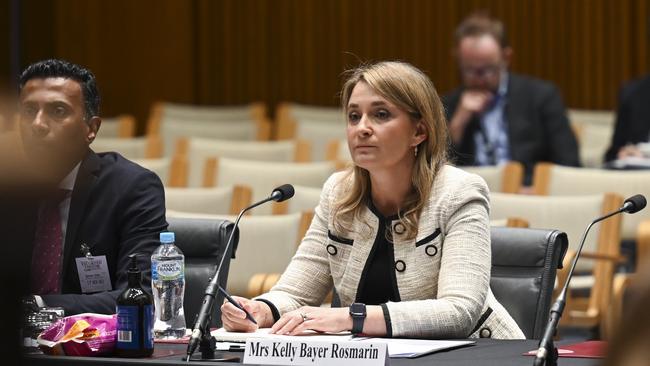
<point>234,320</point>
<point>331,320</point>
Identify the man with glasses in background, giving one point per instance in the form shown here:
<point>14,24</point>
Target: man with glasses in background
<point>498,116</point>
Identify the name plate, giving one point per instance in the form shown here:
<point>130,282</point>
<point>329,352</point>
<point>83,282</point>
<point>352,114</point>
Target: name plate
<point>303,352</point>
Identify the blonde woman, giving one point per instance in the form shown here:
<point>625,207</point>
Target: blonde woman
<point>402,237</point>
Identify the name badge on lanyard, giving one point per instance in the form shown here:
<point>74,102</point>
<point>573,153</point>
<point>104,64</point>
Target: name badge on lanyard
<point>93,272</point>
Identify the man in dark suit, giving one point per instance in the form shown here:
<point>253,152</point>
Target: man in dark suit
<point>497,116</point>
<point>103,207</point>
<point>632,120</point>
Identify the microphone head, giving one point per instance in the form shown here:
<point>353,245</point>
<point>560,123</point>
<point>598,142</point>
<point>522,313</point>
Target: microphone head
<point>282,193</point>
<point>635,203</point>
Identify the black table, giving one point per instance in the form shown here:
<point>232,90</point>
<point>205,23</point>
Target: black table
<point>484,352</point>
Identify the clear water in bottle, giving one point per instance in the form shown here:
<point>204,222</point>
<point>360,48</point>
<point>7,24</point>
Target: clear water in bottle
<point>168,287</point>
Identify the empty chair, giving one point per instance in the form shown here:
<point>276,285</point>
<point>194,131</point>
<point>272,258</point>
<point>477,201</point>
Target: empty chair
<point>262,177</point>
<point>198,150</point>
<point>266,244</point>
<point>172,121</point>
<point>524,264</point>
<point>571,214</point>
<point>228,200</point>
<point>593,129</point>
<point>203,242</point>
<point>505,178</point>
<point>555,180</point>
<point>318,125</point>
<point>122,126</point>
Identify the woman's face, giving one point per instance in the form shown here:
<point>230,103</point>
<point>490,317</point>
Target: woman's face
<point>380,135</point>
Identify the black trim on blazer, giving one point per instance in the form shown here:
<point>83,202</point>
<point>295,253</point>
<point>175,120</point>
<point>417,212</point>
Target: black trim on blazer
<point>339,239</point>
<point>481,320</point>
<point>428,238</point>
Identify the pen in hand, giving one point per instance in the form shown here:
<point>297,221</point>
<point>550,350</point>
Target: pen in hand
<point>236,304</point>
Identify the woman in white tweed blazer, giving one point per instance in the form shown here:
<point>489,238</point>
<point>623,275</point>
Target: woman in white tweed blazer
<point>402,237</point>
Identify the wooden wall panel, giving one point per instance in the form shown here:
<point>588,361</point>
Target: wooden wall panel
<point>237,51</point>
<point>140,51</point>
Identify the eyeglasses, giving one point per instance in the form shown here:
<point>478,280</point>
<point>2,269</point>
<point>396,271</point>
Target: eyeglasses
<point>489,71</point>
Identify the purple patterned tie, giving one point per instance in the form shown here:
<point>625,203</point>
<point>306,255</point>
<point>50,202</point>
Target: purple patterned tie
<point>48,248</point>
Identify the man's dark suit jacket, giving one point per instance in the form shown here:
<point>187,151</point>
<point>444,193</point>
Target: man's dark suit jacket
<point>632,117</point>
<point>538,129</point>
<point>117,208</point>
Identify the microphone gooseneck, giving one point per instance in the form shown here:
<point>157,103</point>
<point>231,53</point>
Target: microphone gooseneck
<point>631,205</point>
<point>201,327</point>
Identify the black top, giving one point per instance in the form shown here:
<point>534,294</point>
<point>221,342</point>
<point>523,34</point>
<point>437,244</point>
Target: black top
<point>378,284</point>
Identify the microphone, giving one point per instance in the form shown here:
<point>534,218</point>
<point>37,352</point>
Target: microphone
<point>286,191</point>
<point>547,353</point>
<point>633,204</point>
<point>201,330</point>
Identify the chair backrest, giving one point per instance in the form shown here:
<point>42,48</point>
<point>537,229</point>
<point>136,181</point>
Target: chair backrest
<point>172,172</point>
<point>198,150</point>
<point>592,117</point>
<point>173,121</point>
<point>593,130</point>
<point>253,111</point>
<point>337,150</point>
<point>556,180</point>
<point>524,264</point>
<point>262,177</point>
<point>266,244</point>
<point>203,242</point>
<point>504,178</point>
<point>130,148</point>
<point>162,167</point>
<point>318,125</point>
<point>305,199</point>
<point>228,200</point>
<point>570,214</point>
<point>593,141</point>
<point>122,126</point>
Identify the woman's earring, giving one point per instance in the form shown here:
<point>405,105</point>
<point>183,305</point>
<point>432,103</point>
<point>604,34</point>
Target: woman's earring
<point>416,150</point>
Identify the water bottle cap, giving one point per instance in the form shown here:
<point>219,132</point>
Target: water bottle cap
<point>167,237</point>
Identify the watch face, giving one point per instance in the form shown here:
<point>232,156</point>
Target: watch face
<point>358,309</point>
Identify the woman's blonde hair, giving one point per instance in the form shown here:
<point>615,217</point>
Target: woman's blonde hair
<point>411,90</point>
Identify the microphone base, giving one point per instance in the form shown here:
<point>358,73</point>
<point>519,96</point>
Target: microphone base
<point>207,346</point>
<point>551,356</point>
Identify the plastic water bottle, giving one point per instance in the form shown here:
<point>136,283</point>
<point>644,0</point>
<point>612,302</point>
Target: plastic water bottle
<point>168,286</point>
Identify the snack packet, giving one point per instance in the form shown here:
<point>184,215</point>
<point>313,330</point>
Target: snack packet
<point>85,334</point>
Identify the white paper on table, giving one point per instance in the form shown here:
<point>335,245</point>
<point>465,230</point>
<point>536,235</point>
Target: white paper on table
<point>410,348</point>
<point>222,335</point>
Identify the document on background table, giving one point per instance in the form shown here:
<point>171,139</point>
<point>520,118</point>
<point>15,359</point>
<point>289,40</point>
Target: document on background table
<point>411,348</point>
<point>397,347</point>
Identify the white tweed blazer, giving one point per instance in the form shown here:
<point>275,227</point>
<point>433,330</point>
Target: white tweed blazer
<point>443,275</point>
